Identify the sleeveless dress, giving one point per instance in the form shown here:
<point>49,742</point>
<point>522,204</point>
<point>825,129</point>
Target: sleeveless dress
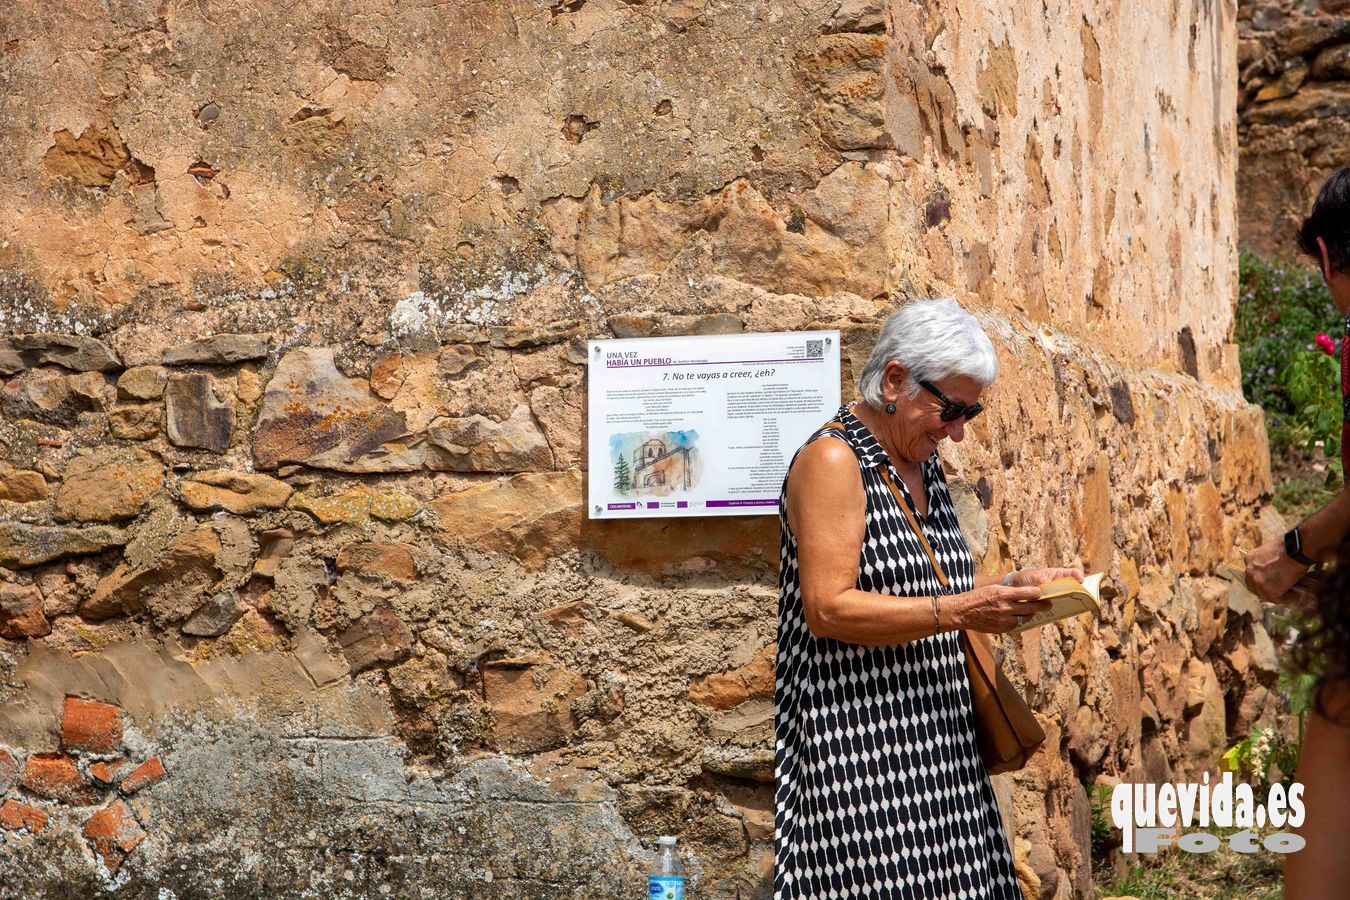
<point>880,791</point>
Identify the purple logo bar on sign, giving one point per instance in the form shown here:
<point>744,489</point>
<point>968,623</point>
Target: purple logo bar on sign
<point>623,506</point>
<point>682,504</point>
<point>742,502</point>
<point>651,505</point>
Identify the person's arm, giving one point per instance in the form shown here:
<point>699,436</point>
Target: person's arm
<point>1271,573</point>
<point>1321,869</point>
<point>1323,531</point>
<point>826,510</point>
<point>1028,577</point>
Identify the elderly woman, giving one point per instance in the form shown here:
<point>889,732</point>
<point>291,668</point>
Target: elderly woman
<point>881,792</point>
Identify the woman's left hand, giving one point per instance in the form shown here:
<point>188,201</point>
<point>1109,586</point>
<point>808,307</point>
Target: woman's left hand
<point>1038,577</point>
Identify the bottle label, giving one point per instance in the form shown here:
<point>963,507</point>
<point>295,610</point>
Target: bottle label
<point>665,887</point>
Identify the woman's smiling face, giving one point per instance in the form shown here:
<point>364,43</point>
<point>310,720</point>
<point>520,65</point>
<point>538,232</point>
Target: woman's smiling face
<point>916,429</point>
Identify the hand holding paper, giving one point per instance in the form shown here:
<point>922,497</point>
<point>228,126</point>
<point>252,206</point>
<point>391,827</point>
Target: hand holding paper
<point>1068,597</point>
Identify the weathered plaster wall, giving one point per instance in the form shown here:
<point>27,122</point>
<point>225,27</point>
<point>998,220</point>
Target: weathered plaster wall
<point>1294,96</point>
<point>294,396</point>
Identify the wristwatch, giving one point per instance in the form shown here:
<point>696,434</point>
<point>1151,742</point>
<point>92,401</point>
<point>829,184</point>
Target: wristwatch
<point>1293,547</point>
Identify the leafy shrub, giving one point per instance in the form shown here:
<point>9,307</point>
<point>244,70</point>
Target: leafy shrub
<point>1312,380</point>
<point>1289,366</point>
<point>1103,836</point>
<point>1266,757</point>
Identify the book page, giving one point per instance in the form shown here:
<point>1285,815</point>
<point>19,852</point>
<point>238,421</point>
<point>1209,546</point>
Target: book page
<point>1067,598</point>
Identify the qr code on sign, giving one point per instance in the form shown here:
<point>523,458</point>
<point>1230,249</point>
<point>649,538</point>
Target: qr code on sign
<point>815,349</point>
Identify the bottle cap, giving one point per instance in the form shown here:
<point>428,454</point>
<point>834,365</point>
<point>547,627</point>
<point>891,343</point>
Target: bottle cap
<point>666,840</point>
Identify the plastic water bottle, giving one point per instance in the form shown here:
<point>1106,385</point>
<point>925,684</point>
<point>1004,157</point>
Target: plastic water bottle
<point>666,879</point>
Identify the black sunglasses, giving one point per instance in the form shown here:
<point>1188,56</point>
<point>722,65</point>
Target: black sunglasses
<point>951,410</point>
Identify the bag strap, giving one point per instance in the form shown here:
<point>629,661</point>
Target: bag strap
<point>913,522</point>
<point>979,655</point>
<point>977,647</point>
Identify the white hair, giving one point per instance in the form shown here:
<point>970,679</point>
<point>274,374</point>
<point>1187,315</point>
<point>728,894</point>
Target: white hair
<point>933,340</point>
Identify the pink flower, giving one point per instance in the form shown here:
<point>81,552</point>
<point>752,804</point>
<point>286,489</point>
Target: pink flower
<point>1326,344</point>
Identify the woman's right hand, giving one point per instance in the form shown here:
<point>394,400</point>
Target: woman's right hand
<point>994,609</point>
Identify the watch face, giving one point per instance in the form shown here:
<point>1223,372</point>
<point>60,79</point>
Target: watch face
<point>1293,547</point>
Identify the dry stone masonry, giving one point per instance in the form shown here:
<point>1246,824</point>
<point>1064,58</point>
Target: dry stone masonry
<point>293,312</point>
<point>1294,97</point>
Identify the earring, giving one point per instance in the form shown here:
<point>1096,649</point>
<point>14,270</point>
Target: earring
<point>890,408</point>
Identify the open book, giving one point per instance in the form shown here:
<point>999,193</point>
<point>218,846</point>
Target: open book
<point>1067,598</point>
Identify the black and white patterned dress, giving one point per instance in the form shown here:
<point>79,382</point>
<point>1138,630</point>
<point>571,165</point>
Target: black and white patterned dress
<point>880,789</point>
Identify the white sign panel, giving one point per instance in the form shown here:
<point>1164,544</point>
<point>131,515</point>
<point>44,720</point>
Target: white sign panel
<point>706,425</point>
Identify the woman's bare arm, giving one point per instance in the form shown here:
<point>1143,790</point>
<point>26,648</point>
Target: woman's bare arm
<point>1321,870</point>
<point>826,510</point>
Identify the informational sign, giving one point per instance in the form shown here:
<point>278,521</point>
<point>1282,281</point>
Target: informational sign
<point>705,425</point>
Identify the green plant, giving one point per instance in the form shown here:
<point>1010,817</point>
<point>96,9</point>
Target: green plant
<point>1311,380</point>
<point>1103,836</point>
<point>1281,309</point>
<point>1146,883</point>
<point>1266,756</point>
<point>1295,496</point>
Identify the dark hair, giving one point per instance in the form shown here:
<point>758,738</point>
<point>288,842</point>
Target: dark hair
<point>1325,644</point>
<point>1330,221</point>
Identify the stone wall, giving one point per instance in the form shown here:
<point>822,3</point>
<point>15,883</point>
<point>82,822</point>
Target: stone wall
<point>1294,99</point>
<point>294,389</point>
